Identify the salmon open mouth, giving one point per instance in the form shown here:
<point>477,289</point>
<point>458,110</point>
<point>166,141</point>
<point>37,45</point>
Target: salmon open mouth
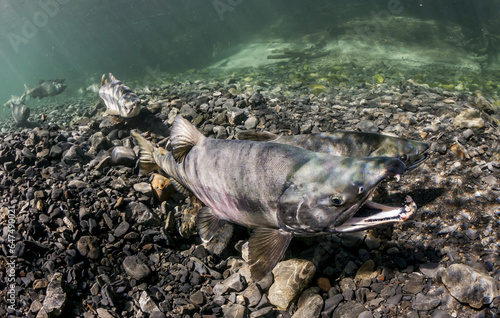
<point>372,214</point>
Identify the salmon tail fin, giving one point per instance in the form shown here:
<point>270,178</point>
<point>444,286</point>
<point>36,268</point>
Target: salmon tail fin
<point>147,162</point>
<point>104,80</point>
<point>183,137</point>
<point>257,136</point>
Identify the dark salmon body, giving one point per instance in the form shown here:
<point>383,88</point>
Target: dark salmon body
<point>351,144</point>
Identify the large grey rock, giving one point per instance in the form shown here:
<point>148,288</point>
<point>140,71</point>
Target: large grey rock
<point>121,155</point>
<point>55,152</point>
<point>144,188</point>
<point>235,282</point>
<point>55,298</point>
<point>99,141</point>
<point>252,294</point>
<point>468,285</point>
<point>146,304</point>
<point>290,278</point>
<point>310,304</point>
<point>137,212</point>
<point>251,122</point>
<point>469,118</point>
<point>367,126</point>
<point>74,153</point>
<point>135,268</point>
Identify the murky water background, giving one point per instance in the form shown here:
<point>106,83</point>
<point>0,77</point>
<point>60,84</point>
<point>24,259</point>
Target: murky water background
<point>144,41</point>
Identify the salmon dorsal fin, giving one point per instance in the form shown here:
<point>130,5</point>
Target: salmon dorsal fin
<point>183,137</point>
<point>257,136</point>
<point>104,80</point>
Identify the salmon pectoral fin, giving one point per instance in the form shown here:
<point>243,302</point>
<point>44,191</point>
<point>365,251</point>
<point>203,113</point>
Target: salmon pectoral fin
<point>180,188</point>
<point>266,248</point>
<point>208,224</point>
<point>257,136</point>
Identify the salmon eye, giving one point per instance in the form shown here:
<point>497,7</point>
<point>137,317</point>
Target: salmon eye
<point>361,190</point>
<point>403,157</point>
<point>336,200</point>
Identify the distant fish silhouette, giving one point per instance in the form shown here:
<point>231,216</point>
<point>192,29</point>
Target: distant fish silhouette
<point>46,88</point>
<point>21,113</point>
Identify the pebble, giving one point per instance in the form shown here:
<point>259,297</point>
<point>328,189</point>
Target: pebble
<point>235,282</point>
<point>251,122</point>
<point>197,298</point>
<point>55,298</point>
<point>367,126</point>
<point>104,313</point>
<point>309,304</point>
<point>469,118</point>
<point>468,285</point>
<point>121,229</point>
<point>144,188</point>
<point>147,304</point>
<point>89,246</point>
<point>422,302</point>
<point>414,285</point>
<point>349,310</point>
<point>365,271</point>
<point>135,268</point>
<point>121,155</point>
<point>235,311</point>
<point>290,278</point>
<point>137,212</point>
<point>372,242</point>
<point>429,269</point>
<point>324,284</point>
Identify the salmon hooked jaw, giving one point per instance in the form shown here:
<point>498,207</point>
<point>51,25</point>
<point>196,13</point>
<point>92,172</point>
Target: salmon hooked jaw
<point>373,214</point>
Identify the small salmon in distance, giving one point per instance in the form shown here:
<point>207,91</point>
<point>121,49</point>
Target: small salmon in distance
<point>277,190</point>
<point>120,100</point>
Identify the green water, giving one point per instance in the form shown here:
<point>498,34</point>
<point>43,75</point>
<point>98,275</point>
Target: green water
<point>449,44</point>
